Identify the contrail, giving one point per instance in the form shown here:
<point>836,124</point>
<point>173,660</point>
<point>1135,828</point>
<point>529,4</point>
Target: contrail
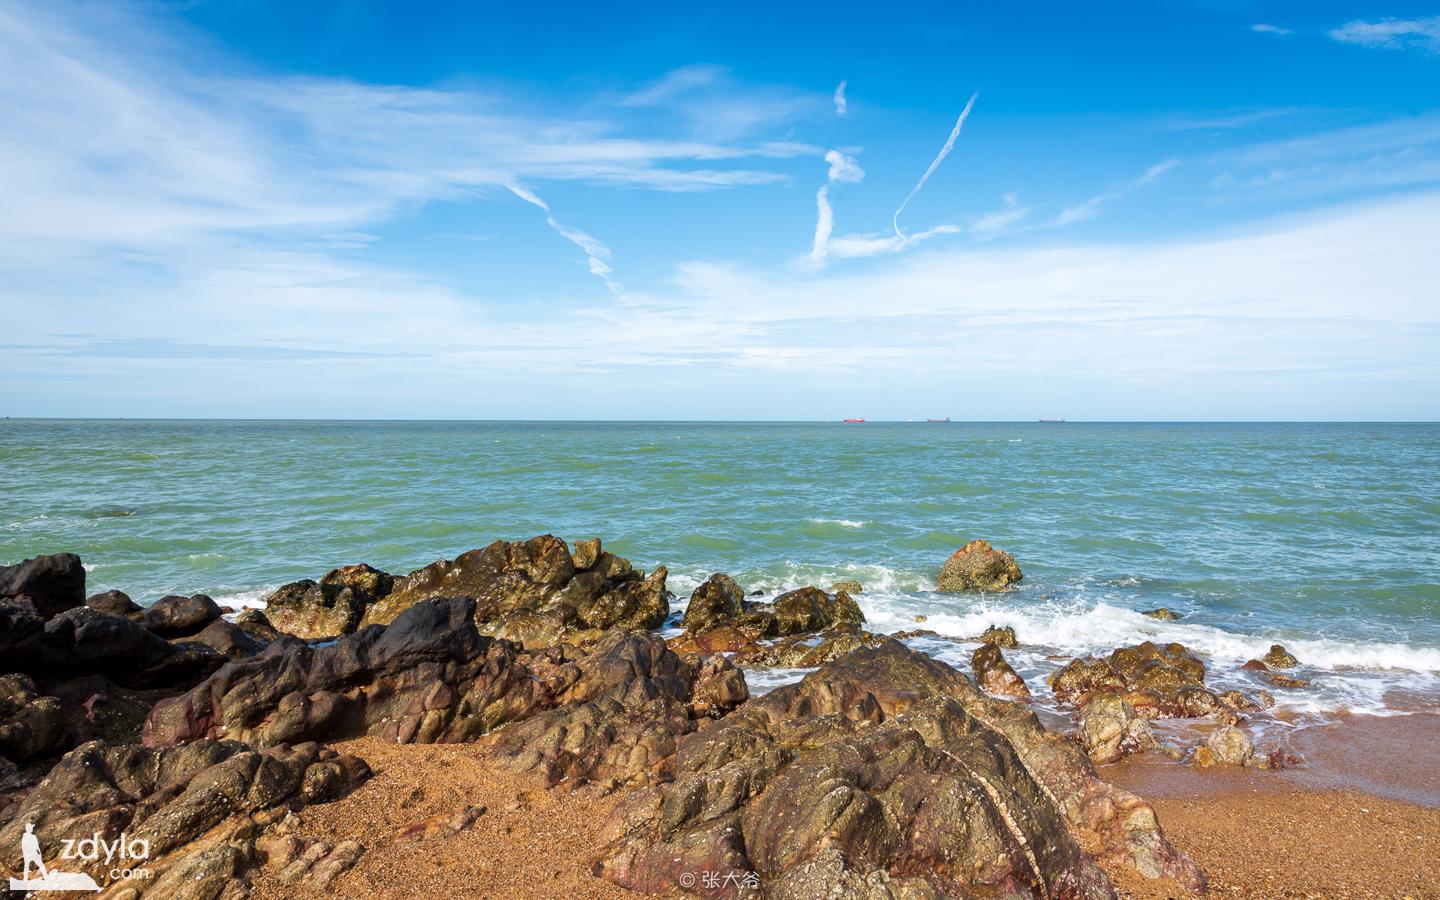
<point>939,158</point>
<point>597,255</point>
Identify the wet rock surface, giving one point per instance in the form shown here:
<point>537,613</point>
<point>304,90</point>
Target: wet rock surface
<point>331,607</point>
<point>994,674</point>
<point>979,567</point>
<point>852,782</point>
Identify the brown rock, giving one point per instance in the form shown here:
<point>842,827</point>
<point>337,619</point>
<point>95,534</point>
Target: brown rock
<point>994,674</point>
<point>979,567</point>
<point>718,601</point>
<point>1001,637</point>
<point>850,783</point>
<point>1279,658</point>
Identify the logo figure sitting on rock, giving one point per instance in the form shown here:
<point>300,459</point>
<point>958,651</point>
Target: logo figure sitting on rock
<point>48,880</point>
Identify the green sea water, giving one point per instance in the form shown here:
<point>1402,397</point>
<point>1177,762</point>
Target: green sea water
<point>1323,536</point>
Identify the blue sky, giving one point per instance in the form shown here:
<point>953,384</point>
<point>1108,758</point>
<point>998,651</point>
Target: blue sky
<point>1220,210</point>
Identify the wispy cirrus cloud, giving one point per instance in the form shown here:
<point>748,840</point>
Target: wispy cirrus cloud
<point>842,106</point>
<point>1262,28</point>
<point>1392,34</point>
<point>1397,153</point>
<point>1090,208</point>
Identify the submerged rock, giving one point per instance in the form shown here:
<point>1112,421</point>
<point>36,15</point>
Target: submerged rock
<point>806,651</point>
<point>1164,614</point>
<point>853,782</point>
<point>1003,636</point>
<point>51,584</point>
<point>994,674</point>
<point>849,586</point>
<point>979,567</point>
<point>1157,681</point>
<point>1277,657</point>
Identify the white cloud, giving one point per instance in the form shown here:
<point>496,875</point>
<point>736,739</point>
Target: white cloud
<point>1270,29</point>
<point>1001,220</point>
<point>1393,34</point>
<point>842,106</point>
<point>934,164</point>
<point>843,168</point>
<point>824,224</point>
<point>1090,208</point>
<point>1282,320</point>
<point>597,255</point>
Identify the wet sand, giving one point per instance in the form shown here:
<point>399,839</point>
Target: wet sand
<point>1359,818</point>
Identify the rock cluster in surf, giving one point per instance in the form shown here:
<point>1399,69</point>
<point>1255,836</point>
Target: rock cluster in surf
<point>882,773</point>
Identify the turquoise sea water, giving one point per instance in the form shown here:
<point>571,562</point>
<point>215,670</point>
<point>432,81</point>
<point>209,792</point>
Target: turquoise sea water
<point>1324,536</point>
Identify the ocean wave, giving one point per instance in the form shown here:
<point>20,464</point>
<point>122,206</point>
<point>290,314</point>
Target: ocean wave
<point>844,523</point>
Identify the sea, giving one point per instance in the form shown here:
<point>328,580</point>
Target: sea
<point>1321,537</point>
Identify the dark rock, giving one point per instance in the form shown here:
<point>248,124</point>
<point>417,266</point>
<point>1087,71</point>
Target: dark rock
<point>81,641</point>
<point>501,578</point>
<point>995,675</point>
<point>52,584</point>
<point>1000,637</point>
<point>1279,658</point>
<point>31,726</point>
<point>618,709</point>
<point>427,677</point>
<point>115,603</point>
<point>97,708</point>
<point>979,567</point>
<point>21,633</point>
<point>849,586</point>
<point>228,639</point>
<point>175,617</point>
<point>853,782</point>
<point>170,797</point>
<point>716,602</point>
<point>1164,614</point>
<point>254,623</point>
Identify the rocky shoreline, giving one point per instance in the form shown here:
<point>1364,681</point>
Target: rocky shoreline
<point>210,734</point>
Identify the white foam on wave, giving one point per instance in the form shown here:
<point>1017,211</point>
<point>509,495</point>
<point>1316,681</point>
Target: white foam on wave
<point>846,523</point>
<point>253,598</point>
